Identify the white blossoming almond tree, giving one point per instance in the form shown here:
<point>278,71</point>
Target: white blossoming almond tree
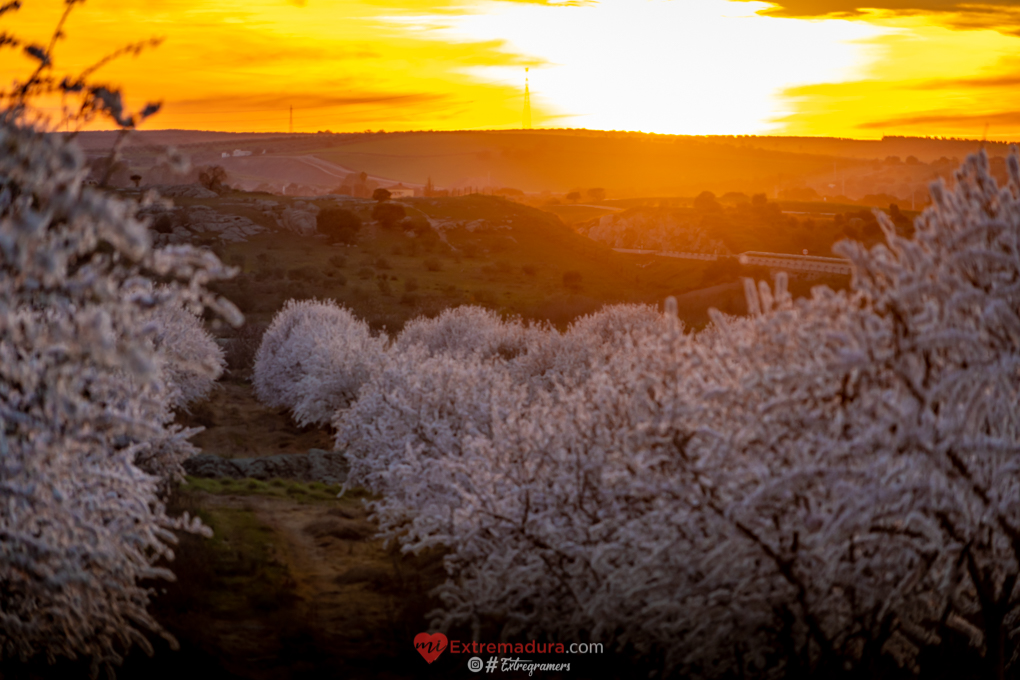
<point>190,359</point>
<point>828,486</point>
<point>87,439</point>
<point>465,330</point>
<point>313,360</point>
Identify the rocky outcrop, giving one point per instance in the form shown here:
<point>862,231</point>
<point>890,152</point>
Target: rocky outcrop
<point>186,225</point>
<point>300,218</point>
<point>227,227</point>
<point>185,191</point>
<point>318,465</point>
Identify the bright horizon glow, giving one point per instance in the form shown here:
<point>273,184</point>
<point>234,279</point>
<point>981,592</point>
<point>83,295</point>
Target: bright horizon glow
<point>709,68</point>
<point>666,66</point>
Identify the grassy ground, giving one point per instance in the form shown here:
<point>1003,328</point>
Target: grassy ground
<point>292,585</point>
<point>238,426</point>
<point>515,263</point>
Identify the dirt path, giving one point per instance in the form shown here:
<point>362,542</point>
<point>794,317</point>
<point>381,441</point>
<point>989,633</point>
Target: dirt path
<point>238,426</point>
<point>287,587</point>
<point>337,568</point>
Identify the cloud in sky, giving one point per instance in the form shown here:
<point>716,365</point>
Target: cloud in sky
<point>998,15</point>
<point>817,8</point>
<point>241,65</point>
<point>929,79</point>
<point>950,120</point>
<point>697,66</point>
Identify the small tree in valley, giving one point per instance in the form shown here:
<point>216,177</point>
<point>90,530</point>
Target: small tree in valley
<point>388,215</point>
<point>338,224</point>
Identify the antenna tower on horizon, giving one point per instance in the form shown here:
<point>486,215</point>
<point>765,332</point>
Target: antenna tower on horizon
<point>527,102</point>
<point>292,119</point>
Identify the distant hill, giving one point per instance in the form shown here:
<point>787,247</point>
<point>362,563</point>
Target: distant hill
<point>560,161</point>
<point>925,149</point>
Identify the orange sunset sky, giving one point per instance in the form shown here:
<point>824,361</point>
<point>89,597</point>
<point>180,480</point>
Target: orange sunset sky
<point>801,67</point>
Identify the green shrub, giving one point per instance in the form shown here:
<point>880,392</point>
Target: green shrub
<point>388,215</point>
<point>339,225</point>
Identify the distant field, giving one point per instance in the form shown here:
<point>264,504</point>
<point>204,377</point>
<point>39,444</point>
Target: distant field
<point>550,160</point>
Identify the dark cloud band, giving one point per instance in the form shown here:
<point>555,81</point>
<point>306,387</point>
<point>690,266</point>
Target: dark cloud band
<point>818,8</point>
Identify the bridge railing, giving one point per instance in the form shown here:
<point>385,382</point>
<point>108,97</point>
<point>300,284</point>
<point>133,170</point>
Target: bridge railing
<point>788,261</point>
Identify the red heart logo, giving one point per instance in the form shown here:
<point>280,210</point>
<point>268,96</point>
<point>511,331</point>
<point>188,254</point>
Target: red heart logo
<point>430,646</point>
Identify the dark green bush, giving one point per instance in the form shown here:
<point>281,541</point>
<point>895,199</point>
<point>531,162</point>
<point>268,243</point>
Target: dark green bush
<point>339,225</point>
<point>388,215</point>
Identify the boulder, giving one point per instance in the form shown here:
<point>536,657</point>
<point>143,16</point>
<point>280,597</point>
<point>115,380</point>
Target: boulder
<point>233,234</point>
<point>298,221</point>
<point>228,227</point>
